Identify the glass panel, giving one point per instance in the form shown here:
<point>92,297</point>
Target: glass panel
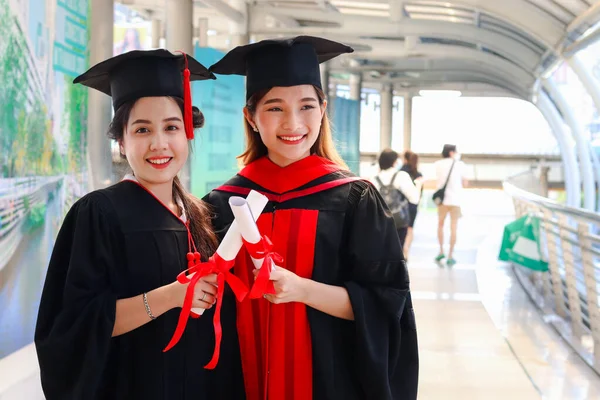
<point>480,125</point>
<point>370,118</point>
<point>577,97</point>
<point>590,58</point>
<point>398,124</point>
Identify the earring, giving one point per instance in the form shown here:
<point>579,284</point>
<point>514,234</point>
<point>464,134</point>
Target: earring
<point>255,129</point>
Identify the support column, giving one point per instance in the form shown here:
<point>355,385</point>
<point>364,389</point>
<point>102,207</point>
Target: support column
<point>387,98</point>
<point>396,10</point>
<point>156,33</point>
<point>596,164</point>
<point>356,94</point>
<point>587,173</point>
<point>569,160</point>
<point>324,68</point>
<point>407,137</point>
<point>100,105</point>
<point>544,180</point>
<point>179,25</point>
<point>355,86</point>
<point>202,32</point>
<point>179,30</point>
<point>238,29</point>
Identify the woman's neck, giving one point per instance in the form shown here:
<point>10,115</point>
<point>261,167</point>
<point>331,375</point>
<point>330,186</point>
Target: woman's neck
<point>282,161</point>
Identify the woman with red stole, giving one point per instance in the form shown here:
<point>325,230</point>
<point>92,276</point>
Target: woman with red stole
<point>339,323</point>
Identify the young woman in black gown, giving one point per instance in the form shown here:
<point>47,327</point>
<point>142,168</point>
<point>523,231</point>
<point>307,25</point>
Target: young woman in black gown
<point>340,324</point>
<point>111,301</point>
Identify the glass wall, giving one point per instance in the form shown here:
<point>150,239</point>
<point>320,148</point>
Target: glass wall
<point>577,97</point>
<point>398,124</point>
<point>590,58</point>
<point>480,125</point>
<point>370,125</point>
<point>370,122</point>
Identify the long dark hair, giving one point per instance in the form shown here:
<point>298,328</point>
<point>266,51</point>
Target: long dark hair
<point>323,146</point>
<point>411,160</point>
<point>196,210</point>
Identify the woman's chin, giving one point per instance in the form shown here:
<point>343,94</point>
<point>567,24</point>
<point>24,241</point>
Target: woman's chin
<point>289,156</point>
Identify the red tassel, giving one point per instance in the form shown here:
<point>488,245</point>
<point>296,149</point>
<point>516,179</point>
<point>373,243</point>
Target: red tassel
<point>188,118</point>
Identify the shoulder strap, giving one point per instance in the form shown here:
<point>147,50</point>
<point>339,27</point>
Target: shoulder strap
<point>449,173</point>
<point>391,184</point>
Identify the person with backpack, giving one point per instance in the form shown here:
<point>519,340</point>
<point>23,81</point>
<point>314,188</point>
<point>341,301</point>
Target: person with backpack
<point>397,189</point>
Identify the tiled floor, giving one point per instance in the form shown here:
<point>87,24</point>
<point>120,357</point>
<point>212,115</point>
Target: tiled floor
<point>479,335</point>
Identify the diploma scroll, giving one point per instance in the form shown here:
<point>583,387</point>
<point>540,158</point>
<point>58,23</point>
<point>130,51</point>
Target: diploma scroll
<point>247,227</point>
<point>232,242</point>
<point>259,247</point>
<point>220,264</point>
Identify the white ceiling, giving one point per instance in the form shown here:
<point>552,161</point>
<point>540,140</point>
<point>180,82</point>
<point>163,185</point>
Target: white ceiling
<point>505,44</point>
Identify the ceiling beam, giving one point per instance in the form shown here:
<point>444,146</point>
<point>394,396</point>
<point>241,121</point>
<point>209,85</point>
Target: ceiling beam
<point>519,13</point>
<point>454,61</point>
<point>431,78</point>
<point>352,26</point>
<point>438,53</point>
<point>226,10</point>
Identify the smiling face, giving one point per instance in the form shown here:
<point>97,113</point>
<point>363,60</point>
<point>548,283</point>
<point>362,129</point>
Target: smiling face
<point>154,140</point>
<point>288,120</point>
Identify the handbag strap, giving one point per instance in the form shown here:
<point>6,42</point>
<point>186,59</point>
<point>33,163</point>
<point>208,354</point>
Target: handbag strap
<point>449,173</point>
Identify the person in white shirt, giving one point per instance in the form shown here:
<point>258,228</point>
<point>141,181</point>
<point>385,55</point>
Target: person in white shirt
<point>450,169</point>
<point>388,161</point>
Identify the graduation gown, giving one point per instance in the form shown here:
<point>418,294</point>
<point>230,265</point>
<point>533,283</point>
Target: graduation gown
<point>333,228</point>
<point>118,243</point>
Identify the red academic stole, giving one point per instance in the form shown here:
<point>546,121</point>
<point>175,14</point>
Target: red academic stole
<point>275,340</point>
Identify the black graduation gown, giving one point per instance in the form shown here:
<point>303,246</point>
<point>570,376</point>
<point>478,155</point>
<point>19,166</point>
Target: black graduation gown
<point>350,240</point>
<point>118,243</point>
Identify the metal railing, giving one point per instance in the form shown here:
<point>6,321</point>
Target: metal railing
<point>568,292</point>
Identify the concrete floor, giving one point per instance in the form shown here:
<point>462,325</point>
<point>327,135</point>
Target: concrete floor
<point>479,335</point>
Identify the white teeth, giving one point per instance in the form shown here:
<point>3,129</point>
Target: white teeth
<point>160,161</point>
<point>291,138</point>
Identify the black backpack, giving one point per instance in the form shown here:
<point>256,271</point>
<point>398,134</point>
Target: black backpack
<point>396,202</point>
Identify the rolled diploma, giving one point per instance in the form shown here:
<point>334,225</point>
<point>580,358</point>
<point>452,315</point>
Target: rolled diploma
<point>245,217</point>
<point>232,242</point>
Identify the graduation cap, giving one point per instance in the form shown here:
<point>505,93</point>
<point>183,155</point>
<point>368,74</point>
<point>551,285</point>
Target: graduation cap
<point>147,73</point>
<point>280,62</point>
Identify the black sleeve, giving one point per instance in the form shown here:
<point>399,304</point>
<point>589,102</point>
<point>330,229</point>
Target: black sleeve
<point>222,216</point>
<point>386,339</point>
<point>77,309</point>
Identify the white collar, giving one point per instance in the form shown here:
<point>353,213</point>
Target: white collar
<point>183,217</point>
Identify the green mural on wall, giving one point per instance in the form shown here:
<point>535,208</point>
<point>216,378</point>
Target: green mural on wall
<point>24,131</point>
<point>43,158</point>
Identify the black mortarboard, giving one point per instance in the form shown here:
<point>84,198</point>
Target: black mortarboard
<point>147,73</point>
<point>280,62</point>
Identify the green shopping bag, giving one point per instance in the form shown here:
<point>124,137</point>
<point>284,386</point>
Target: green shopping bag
<point>521,244</point>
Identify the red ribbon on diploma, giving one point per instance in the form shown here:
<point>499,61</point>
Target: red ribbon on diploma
<point>263,249</point>
<point>214,265</point>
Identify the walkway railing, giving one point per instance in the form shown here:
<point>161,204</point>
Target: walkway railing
<point>568,292</point>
